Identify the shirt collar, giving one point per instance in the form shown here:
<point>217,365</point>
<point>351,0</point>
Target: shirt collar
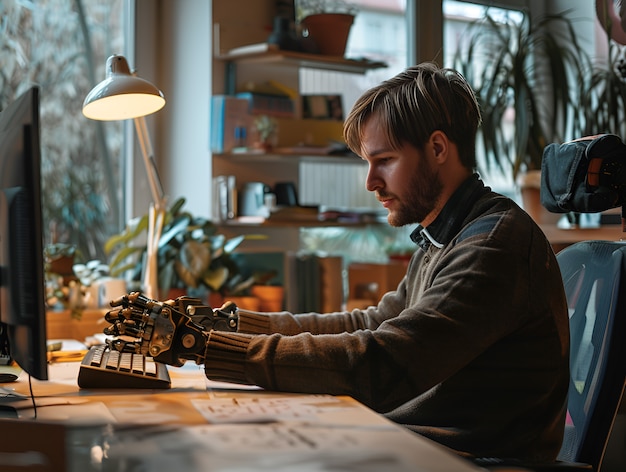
<point>448,223</point>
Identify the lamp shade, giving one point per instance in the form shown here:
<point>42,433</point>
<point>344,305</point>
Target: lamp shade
<point>122,95</point>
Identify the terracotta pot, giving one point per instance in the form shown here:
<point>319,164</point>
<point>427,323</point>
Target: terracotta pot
<point>530,185</point>
<point>215,299</point>
<point>270,297</point>
<point>329,32</point>
<point>245,303</point>
<point>174,293</point>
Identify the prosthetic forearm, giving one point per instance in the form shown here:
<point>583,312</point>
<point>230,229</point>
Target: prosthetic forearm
<point>171,332</point>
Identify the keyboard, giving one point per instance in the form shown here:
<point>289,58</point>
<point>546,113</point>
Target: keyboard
<point>102,367</point>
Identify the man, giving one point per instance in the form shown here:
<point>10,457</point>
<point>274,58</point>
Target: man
<point>471,350</point>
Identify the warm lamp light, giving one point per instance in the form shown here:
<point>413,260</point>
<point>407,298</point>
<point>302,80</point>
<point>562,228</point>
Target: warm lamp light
<point>120,96</point>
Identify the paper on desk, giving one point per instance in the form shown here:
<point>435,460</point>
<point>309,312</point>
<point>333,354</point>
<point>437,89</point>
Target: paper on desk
<point>278,447</point>
<point>68,344</point>
<point>321,409</point>
<point>216,386</point>
<point>7,394</point>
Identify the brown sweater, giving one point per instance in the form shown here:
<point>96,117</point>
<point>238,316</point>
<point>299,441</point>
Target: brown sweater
<point>471,350</point>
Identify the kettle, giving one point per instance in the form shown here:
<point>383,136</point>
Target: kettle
<point>252,199</point>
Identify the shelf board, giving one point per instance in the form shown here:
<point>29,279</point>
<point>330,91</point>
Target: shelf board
<point>310,216</point>
<point>266,54</point>
<point>296,223</point>
<point>285,158</point>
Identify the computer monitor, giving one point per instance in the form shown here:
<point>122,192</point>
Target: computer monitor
<point>22,289</point>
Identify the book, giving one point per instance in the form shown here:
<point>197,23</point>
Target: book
<point>280,106</point>
<point>315,283</point>
<point>257,48</point>
<point>229,123</point>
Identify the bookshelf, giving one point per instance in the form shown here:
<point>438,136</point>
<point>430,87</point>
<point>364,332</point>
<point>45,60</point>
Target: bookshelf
<point>240,61</point>
<point>261,63</point>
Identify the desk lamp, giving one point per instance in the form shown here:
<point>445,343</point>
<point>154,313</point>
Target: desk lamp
<point>120,96</point>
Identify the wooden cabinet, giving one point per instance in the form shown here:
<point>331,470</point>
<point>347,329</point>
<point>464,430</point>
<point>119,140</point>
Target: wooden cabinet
<point>61,324</point>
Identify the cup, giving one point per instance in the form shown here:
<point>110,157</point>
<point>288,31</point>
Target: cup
<point>286,194</point>
<point>110,289</point>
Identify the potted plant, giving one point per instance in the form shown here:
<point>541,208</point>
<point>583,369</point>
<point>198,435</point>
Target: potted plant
<point>63,287</point>
<point>604,100</point>
<point>327,23</point>
<point>265,127</point>
<point>192,254</point>
<point>527,74</point>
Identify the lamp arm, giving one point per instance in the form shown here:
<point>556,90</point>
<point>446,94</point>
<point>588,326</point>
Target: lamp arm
<point>156,213</point>
<point>156,188</point>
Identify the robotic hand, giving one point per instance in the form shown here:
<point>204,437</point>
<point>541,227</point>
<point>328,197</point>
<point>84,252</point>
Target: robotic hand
<point>171,332</point>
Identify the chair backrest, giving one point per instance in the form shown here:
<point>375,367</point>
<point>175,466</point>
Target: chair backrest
<point>594,274</point>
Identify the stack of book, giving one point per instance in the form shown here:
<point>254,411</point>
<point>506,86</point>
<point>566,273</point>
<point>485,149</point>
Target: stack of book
<point>278,106</point>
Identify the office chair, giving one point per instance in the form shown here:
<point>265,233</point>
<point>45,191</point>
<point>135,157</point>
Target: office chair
<point>594,276</point>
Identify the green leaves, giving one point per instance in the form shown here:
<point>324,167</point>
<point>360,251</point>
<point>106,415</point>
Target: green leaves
<point>191,252</point>
<point>193,261</point>
<point>528,75</point>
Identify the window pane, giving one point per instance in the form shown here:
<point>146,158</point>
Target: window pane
<point>61,46</point>
<point>458,15</point>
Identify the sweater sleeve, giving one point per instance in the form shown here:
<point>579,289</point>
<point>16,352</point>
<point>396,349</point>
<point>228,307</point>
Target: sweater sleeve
<point>225,356</point>
<point>226,353</point>
<point>290,324</point>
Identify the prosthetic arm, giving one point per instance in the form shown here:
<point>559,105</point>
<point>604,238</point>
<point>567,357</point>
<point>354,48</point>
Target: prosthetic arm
<point>171,332</point>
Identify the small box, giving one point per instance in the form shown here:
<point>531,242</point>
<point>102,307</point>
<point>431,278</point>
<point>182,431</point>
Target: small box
<point>372,281</point>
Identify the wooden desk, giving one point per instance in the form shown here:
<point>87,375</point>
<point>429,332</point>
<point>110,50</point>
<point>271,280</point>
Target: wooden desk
<point>207,426</point>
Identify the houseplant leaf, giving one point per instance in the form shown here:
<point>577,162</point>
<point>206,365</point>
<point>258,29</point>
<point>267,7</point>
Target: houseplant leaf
<point>215,279</point>
<point>120,257</point>
<point>528,71</point>
<point>193,261</point>
<point>133,230</point>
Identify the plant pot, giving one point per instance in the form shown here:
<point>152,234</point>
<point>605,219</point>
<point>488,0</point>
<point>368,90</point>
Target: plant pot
<point>270,297</point>
<point>245,303</point>
<point>174,293</point>
<point>530,185</point>
<point>215,299</point>
<point>329,31</point>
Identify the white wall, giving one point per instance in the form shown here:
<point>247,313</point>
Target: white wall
<point>180,132</point>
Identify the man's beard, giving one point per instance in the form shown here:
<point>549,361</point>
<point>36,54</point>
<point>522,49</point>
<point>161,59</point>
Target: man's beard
<point>425,189</point>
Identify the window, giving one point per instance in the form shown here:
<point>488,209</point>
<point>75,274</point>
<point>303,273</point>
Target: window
<point>457,17</point>
<point>61,46</point>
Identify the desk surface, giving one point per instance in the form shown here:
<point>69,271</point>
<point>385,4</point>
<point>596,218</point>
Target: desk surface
<point>207,426</point>
<point>558,235</point>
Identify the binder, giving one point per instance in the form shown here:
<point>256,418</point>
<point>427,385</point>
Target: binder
<point>229,123</point>
<point>316,283</point>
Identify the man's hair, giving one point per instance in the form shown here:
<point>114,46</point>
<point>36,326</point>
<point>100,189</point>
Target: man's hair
<point>412,105</point>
